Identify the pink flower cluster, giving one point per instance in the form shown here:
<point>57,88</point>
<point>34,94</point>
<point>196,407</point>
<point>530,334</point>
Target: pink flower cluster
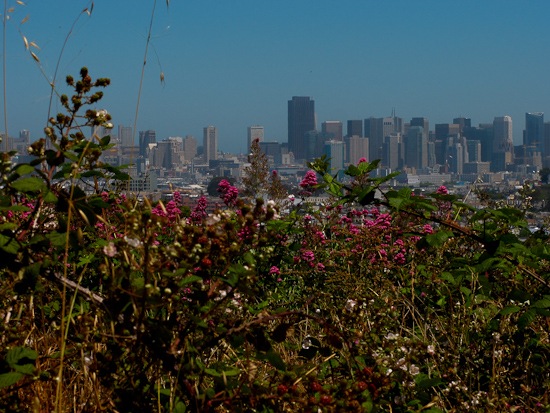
<point>171,209</point>
<point>308,183</point>
<point>442,190</point>
<point>199,212</point>
<point>228,192</point>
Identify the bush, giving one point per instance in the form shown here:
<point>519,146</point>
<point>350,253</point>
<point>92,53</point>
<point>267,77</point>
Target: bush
<point>379,301</point>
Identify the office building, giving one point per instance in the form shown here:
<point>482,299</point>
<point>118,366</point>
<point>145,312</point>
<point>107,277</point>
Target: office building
<point>301,120</point>
<point>376,129</point>
<point>355,128</point>
<point>210,144</point>
<point>254,132</point>
<point>503,144</point>
<point>125,135</point>
<point>189,148</point>
<point>533,137</point>
<point>334,150</point>
<point>332,127</point>
<point>393,151</point>
<point>415,153</point>
<point>357,147</point>
<point>145,139</point>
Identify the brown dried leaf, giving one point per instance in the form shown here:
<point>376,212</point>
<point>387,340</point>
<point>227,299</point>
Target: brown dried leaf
<point>21,3</point>
<point>25,19</point>
<point>35,57</point>
<point>33,44</point>
<point>26,43</point>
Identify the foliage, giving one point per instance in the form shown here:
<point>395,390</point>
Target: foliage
<point>256,174</point>
<point>379,300</point>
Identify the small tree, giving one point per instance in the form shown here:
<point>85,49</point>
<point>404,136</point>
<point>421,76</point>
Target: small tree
<point>276,189</point>
<point>255,175</point>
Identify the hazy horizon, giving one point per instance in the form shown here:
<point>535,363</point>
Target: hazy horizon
<point>236,64</point>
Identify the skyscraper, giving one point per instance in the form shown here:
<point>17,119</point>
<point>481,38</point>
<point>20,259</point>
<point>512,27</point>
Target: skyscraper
<point>301,120</point>
<point>534,131</point>
<point>125,135</point>
<point>415,153</point>
<point>210,143</point>
<point>334,150</point>
<point>376,129</point>
<point>254,132</point>
<point>357,147</point>
<point>145,138</point>
<point>189,148</point>
<point>355,128</point>
<point>333,127</point>
<point>503,144</point>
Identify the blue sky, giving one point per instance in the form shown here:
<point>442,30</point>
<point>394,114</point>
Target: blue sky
<point>235,63</point>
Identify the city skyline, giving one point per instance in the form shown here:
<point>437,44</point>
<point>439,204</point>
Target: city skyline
<point>235,65</point>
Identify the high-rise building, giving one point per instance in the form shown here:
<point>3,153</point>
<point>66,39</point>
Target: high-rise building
<point>355,128</point>
<point>334,150</point>
<point>392,151</point>
<point>125,135</point>
<point>333,127</point>
<point>503,144</point>
<point>145,138</point>
<point>210,143</point>
<point>189,148</point>
<point>254,132</point>
<point>357,147</point>
<point>415,153</point>
<point>546,145</point>
<point>376,129</point>
<point>301,120</point>
<point>423,123</point>
<point>534,131</point>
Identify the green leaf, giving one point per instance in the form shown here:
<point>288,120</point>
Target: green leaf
<point>189,280</point>
<point>9,244</point>
<point>16,354</point>
<point>8,379</point>
<point>511,309</point>
<point>542,303</point>
<point>273,358</point>
<point>527,318</point>
<point>27,369</point>
<point>29,185</point>
<point>24,169</point>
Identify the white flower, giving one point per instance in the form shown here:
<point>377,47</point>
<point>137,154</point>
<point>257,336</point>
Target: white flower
<point>350,304</point>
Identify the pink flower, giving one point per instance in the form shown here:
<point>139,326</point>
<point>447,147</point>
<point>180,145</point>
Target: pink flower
<point>362,160</point>
<point>274,270</point>
<point>308,256</point>
<point>427,229</point>
<point>442,190</point>
<point>228,192</point>
<point>320,267</point>
<point>310,180</point>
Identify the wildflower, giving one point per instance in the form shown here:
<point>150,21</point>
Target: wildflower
<point>310,179</point>
<point>308,256</point>
<point>350,304</point>
<point>274,270</point>
<point>110,250</point>
<point>442,190</point>
<point>427,229</point>
<point>361,160</point>
<point>228,192</point>
<point>399,258</point>
<point>320,266</point>
<point>199,212</point>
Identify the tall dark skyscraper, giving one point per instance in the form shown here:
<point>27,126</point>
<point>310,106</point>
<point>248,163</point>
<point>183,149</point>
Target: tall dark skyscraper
<point>534,131</point>
<point>355,128</point>
<point>301,120</point>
